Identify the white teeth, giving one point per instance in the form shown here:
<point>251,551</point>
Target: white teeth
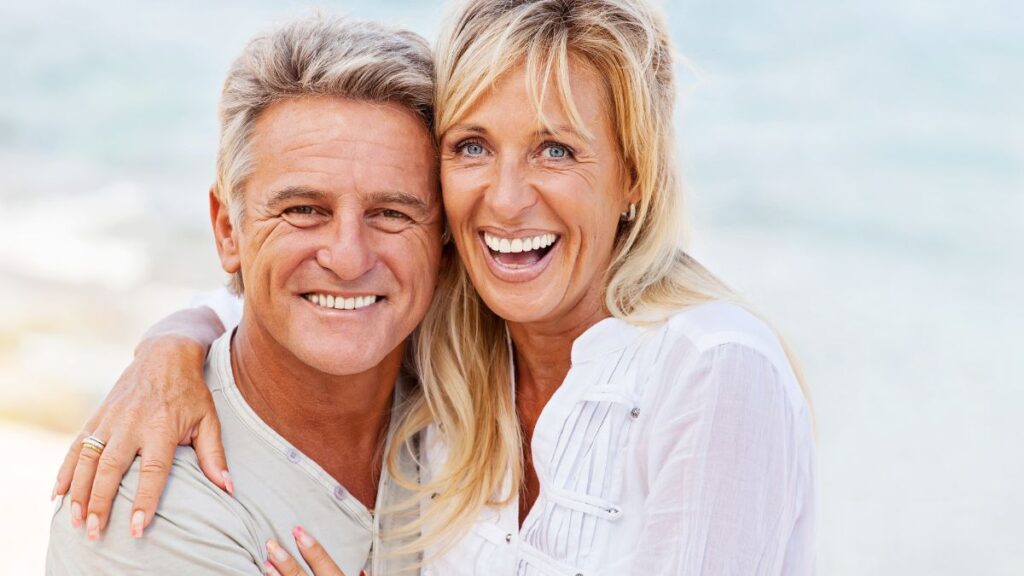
<point>340,303</point>
<point>516,245</point>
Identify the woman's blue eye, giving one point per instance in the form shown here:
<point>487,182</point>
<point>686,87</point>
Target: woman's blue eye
<point>555,151</point>
<point>474,149</point>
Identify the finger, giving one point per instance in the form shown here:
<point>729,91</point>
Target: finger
<point>117,457</point>
<point>155,458</point>
<point>81,486</point>
<point>282,561</point>
<point>210,451</point>
<point>315,555</point>
<point>67,468</point>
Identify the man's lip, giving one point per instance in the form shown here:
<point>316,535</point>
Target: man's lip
<point>319,299</point>
<point>338,294</point>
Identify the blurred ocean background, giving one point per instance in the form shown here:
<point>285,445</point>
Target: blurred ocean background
<point>855,168</point>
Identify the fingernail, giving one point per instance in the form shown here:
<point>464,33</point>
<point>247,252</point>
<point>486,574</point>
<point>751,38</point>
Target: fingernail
<point>269,569</point>
<point>92,527</point>
<point>227,482</point>
<point>304,539</point>
<point>56,485</point>
<point>276,551</point>
<point>76,515</point>
<point>138,519</point>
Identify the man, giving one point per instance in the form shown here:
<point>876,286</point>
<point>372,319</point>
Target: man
<point>327,211</point>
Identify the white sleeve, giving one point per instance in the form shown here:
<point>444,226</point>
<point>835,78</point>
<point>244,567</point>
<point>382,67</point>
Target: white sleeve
<point>730,485</point>
<point>226,305</point>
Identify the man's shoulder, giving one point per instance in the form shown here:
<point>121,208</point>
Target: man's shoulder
<point>198,529</point>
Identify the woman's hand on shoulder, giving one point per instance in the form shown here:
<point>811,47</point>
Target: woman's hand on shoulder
<point>160,401</point>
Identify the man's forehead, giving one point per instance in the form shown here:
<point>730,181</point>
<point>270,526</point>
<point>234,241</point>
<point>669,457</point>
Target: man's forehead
<point>335,145</point>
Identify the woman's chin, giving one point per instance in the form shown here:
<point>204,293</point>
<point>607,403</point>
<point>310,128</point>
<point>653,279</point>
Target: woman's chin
<point>521,306</point>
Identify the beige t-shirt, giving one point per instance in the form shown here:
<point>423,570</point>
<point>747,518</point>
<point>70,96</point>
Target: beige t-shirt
<point>200,529</point>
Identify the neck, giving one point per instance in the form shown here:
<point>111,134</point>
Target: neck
<point>311,409</point>
<point>543,350</point>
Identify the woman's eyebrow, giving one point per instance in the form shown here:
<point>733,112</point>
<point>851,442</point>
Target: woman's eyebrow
<point>474,128</point>
<point>564,130</point>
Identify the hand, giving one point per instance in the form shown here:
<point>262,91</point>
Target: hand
<point>281,562</point>
<point>159,402</point>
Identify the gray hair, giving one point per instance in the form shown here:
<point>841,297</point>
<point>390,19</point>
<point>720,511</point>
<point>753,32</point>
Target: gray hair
<point>316,55</point>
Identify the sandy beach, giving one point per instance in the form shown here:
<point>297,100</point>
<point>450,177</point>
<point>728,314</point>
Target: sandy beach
<point>25,497</point>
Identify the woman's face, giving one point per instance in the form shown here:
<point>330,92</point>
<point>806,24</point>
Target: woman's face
<point>534,213</point>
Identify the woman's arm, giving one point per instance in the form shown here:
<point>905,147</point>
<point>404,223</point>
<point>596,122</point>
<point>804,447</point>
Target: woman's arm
<point>160,401</point>
<point>731,485</point>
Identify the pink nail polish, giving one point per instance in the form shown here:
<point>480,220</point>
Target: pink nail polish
<point>277,551</point>
<point>302,537</point>
<point>227,482</point>
<point>138,521</point>
<point>76,515</point>
<point>53,496</point>
<point>92,527</point>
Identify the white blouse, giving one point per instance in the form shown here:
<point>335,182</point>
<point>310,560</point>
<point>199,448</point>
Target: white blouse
<point>683,448</point>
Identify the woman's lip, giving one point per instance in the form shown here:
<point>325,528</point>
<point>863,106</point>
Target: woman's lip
<point>508,274</point>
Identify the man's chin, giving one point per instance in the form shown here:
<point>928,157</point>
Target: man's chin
<point>342,359</point>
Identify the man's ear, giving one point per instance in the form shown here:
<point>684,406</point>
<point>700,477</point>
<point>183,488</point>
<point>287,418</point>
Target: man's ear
<point>224,233</point>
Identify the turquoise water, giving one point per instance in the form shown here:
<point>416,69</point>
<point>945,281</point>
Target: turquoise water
<point>856,169</point>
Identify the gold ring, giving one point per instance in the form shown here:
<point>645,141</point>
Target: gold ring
<point>94,443</point>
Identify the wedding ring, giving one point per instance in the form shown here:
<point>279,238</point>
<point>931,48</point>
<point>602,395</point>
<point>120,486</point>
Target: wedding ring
<point>94,443</point>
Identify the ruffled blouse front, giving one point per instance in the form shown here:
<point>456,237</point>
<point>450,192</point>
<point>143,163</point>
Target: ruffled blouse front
<point>682,448</point>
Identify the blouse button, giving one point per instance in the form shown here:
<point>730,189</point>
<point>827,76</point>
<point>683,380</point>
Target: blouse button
<point>293,456</point>
<point>635,412</point>
<point>508,537</point>
<point>339,493</point>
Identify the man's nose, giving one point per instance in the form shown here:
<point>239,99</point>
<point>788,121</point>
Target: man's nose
<point>509,193</point>
<point>348,249</point>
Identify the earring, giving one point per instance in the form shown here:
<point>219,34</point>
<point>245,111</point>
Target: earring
<point>446,236</point>
<point>630,214</point>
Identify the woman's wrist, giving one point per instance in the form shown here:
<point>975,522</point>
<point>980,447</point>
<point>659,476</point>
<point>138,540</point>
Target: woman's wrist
<point>189,346</point>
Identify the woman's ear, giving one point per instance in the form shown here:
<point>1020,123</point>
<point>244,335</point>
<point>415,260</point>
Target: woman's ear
<point>225,233</point>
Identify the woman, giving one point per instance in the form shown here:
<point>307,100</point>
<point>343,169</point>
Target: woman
<point>596,401</point>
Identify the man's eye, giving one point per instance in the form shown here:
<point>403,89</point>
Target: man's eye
<point>301,210</point>
<point>394,214</point>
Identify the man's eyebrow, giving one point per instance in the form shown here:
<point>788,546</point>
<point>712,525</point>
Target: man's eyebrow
<point>292,193</point>
<point>398,197</point>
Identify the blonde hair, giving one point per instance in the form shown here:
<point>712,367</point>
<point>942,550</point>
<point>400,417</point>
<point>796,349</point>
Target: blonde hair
<point>316,55</point>
<point>462,353</point>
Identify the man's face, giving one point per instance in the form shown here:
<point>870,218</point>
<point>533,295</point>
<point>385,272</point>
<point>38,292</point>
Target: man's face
<point>340,241</point>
